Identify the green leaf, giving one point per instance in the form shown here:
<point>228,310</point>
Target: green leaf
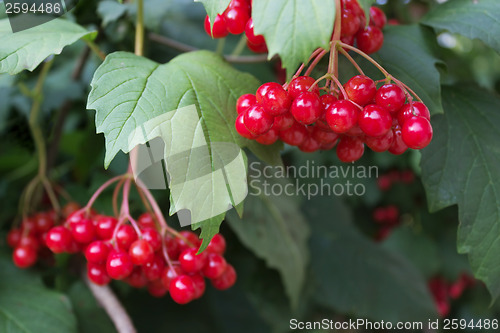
<point>189,103</point>
<point>294,28</point>
<point>365,5</point>
<point>214,7</point>
<point>87,307</point>
<point>460,166</point>
<point>275,230</point>
<point>409,56</point>
<point>355,275</point>
<point>472,19</point>
<point>111,11</point>
<point>27,306</point>
<point>28,48</point>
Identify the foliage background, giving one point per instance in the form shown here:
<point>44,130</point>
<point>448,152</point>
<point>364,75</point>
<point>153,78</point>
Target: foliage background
<point>337,271</point>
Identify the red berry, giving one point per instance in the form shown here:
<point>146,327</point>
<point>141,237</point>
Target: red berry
<point>242,129</point>
<point>417,132</point>
<point>153,269</point>
<point>377,17</point>
<point>360,89</point>
<point>257,121</point>
<point>125,236</point>
<point>407,111</point>
<point>370,39</point>
<point>252,38</point>
<point>350,149</point>
<point>217,245</point>
<point>188,240</point>
<point>264,88</point>
<point>306,108</point>
<point>75,217</point>
<point>105,227</point>
<point>283,122</point>
<point>70,208</point>
<point>97,273</point>
<point>310,145</point>
<point>24,256</point>
<point>58,239</point>
<point>137,279</point>
<point>275,101</point>
<point>146,220</point>
<point>97,252</point>
<point>29,240</point>
<point>350,23</point>
<point>157,289</point>
<point>141,252</point>
<point>374,120</point>
<point>182,289</point>
<point>14,237</point>
<point>390,97</point>
<point>43,222</point>
<point>119,265</point>
<point>152,236</point>
<point>199,285</point>
<point>215,266</point>
<point>384,182</point>
<point>83,231</point>
<point>236,19</point>
<point>226,280</point>
<point>295,135</point>
<point>192,262</point>
<point>219,29</point>
<point>342,116</point>
<point>324,137</point>
<point>169,273</point>
<point>398,145</point>
<point>268,138</point>
<point>300,85</point>
<point>172,247</point>
<point>257,48</point>
<point>244,102</point>
<point>381,143</point>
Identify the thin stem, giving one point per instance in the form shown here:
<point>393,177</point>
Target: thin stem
<point>353,62</point>
<point>333,63</point>
<point>240,46</point>
<point>139,29</point>
<point>110,303</point>
<point>116,191</point>
<point>342,90</point>
<point>95,48</point>
<point>101,189</point>
<point>364,55</point>
<point>219,49</point>
<point>51,194</point>
<point>188,48</point>
<point>315,62</point>
<point>36,131</point>
<point>326,76</point>
<point>125,209</point>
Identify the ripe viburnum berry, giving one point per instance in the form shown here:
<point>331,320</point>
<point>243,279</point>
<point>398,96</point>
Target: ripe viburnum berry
<point>119,265</point>
<point>141,252</point>
<point>417,132</point>
<point>257,121</point>
<point>341,116</point>
<point>24,256</point>
<point>374,120</point>
<point>300,85</point>
<point>306,108</point>
<point>182,289</point>
<point>370,39</point>
<point>226,280</point>
<point>390,97</point>
<point>350,149</point>
<point>360,89</point>
<point>58,239</point>
<point>219,29</point>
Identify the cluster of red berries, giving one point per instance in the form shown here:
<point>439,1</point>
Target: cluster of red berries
<point>28,241</point>
<point>299,116</point>
<point>443,292</point>
<point>119,252</point>
<point>387,217</point>
<point>392,177</point>
<point>237,19</point>
<point>369,38</point>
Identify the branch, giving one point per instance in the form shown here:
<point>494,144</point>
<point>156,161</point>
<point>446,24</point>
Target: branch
<point>110,303</point>
<point>188,48</point>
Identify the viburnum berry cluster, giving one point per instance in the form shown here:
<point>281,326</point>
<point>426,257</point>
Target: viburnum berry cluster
<point>312,117</point>
<point>368,38</point>
<point>387,217</point>
<point>443,292</point>
<point>143,252</point>
<point>28,241</point>
<point>236,19</point>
